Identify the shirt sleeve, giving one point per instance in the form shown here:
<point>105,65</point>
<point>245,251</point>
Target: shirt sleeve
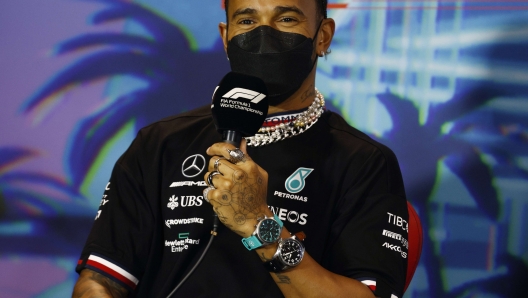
<point>370,232</point>
<point>118,244</point>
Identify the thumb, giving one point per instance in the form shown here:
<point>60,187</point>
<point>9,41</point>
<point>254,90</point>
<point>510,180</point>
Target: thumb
<point>243,146</point>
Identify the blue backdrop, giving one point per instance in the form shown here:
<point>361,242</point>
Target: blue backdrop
<point>443,83</point>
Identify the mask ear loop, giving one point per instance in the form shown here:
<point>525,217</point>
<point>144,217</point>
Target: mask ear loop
<point>313,40</point>
<point>317,31</point>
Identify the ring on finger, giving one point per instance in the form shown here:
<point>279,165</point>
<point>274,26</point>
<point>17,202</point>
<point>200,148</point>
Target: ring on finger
<point>210,178</point>
<point>217,163</point>
<point>236,155</point>
<point>206,192</point>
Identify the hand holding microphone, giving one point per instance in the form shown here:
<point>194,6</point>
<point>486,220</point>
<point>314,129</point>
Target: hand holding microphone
<point>239,108</point>
<point>237,186</point>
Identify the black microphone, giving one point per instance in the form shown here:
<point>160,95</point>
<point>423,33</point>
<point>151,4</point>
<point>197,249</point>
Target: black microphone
<point>240,106</point>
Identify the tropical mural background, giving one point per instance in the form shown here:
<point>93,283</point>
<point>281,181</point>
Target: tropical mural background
<point>443,83</point>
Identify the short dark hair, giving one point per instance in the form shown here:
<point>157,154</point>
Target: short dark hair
<point>321,8</point>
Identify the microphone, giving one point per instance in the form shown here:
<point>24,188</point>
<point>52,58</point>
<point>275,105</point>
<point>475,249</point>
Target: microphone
<point>240,106</point>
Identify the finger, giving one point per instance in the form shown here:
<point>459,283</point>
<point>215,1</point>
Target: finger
<point>224,149</point>
<point>217,197</point>
<point>221,181</point>
<point>206,192</point>
<point>225,167</point>
<point>221,197</point>
<point>214,163</point>
<point>243,147</point>
<point>212,178</point>
<point>220,149</point>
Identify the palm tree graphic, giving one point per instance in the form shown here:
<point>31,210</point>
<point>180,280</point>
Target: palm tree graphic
<point>165,62</point>
<point>421,147</point>
<point>31,203</point>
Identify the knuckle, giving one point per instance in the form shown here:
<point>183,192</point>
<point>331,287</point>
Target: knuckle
<point>222,146</point>
<point>226,184</point>
<point>213,195</point>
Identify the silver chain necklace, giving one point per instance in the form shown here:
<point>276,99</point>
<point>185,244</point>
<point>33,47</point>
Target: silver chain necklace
<point>305,120</point>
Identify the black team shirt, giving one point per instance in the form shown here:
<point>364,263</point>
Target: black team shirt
<point>340,187</point>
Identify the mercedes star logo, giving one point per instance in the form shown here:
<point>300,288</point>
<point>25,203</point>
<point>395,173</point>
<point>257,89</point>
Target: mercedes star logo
<point>193,165</point>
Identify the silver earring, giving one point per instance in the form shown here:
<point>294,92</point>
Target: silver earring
<point>322,53</point>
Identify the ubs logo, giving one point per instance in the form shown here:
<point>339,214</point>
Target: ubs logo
<point>193,165</point>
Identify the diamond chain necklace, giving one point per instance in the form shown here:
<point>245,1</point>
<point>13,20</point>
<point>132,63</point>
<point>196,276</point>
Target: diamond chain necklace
<point>305,120</point>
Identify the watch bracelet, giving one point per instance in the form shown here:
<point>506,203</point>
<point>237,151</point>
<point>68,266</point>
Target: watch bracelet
<point>246,241</point>
<point>276,264</point>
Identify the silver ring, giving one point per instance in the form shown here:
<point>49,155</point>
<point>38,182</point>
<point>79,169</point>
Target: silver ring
<point>236,155</point>
<point>217,163</point>
<point>210,178</point>
<point>206,193</point>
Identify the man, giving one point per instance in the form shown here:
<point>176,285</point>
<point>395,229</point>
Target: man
<point>315,175</point>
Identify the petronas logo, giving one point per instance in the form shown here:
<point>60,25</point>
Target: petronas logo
<point>295,183</point>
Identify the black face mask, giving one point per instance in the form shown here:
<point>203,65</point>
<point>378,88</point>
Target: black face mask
<point>283,60</point>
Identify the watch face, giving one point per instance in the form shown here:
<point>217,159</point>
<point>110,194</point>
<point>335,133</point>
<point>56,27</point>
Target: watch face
<point>269,230</point>
<point>291,252</point>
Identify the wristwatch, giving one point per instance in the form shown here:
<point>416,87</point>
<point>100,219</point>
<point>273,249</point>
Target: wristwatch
<point>288,255</point>
<point>267,231</point>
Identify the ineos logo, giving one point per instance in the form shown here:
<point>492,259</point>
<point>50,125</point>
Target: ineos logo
<point>290,215</point>
<point>193,165</point>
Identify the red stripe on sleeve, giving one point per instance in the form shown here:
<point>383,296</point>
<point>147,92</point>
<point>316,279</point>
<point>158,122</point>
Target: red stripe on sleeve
<point>113,273</point>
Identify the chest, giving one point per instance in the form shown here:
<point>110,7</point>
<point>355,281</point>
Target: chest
<point>302,190</point>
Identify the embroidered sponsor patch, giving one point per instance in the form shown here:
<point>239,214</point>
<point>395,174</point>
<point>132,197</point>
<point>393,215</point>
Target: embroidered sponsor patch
<point>188,183</point>
<point>193,165</point>
<point>183,221</point>
<point>296,182</point>
<point>184,201</point>
<point>290,215</point>
<point>398,221</point>
<point>290,196</point>
<point>182,243</point>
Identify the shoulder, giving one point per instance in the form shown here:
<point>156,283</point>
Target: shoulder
<point>182,126</point>
<point>170,133</point>
<point>353,140</point>
<point>364,156</point>
<point>181,123</point>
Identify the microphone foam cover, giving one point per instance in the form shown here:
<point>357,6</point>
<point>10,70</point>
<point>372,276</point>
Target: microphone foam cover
<point>240,104</point>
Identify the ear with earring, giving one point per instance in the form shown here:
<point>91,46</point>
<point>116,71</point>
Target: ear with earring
<point>321,54</point>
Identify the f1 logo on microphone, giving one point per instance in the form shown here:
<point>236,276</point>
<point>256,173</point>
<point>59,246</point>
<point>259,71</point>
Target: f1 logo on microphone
<point>237,93</point>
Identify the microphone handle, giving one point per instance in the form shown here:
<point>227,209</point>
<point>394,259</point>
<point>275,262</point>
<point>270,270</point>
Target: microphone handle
<point>232,137</point>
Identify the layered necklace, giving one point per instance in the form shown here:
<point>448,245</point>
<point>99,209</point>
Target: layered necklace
<point>301,123</point>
